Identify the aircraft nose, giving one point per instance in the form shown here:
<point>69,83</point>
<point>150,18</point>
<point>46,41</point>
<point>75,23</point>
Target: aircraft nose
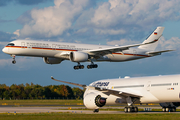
<point>4,50</point>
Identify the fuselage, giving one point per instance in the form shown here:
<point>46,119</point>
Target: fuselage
<point>154,89</point>
<point>56,49</point>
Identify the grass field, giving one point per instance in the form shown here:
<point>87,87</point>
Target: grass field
<point>65,116</point>
<point>41,102</point>
<point>77,116</point>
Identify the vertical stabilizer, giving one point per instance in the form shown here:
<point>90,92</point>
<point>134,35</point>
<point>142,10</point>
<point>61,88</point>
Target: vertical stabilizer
<point>153,37</point>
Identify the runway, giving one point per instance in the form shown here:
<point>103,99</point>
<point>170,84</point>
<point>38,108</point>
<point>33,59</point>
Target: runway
<point>65,109</point>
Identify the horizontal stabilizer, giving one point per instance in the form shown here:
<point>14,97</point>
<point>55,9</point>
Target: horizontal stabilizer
<point>158,52</point>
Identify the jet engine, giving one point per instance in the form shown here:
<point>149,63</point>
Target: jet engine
<point>94,101</point>
<point>78,56</point>
<point>48,60</point>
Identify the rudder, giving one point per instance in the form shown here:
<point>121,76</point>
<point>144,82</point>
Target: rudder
<point>157,33</point>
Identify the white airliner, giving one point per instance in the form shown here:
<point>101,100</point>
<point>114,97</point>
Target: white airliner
<point>164,90</point>
<point>56,52</point>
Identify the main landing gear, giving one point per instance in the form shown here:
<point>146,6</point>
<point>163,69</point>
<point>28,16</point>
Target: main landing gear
<point>13,61</point>
<point>96,110</point>
<point>129,109</point>
<point>169,109</point>
<point>92,65</point>
<point>79,66</point>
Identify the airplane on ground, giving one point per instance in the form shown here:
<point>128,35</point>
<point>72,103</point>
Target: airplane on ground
<point>56,52</point>
<point>164,90</point>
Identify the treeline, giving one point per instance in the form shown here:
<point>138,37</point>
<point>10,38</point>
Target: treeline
<point>32,91</point>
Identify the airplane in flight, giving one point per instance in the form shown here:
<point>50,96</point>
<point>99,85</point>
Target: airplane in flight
<point>56,52</point>
<point>164,90</point>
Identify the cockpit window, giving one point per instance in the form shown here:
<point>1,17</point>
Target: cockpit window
<point>10,44</point>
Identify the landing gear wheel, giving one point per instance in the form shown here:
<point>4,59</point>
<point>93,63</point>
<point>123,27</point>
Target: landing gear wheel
<point>167,109</point>
<point>135,109</point>
<point>13,62</point>
<point>96,110</point>
<point>82,67</point>
<point>79,67</point>
<point>173,109</point>
<point>130,109</point>
<point>92,66</point>
<point>125,109</point>
<point>164,109</point>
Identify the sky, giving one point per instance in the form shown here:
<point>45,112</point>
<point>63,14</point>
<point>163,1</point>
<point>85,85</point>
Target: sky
<point>105,22</point>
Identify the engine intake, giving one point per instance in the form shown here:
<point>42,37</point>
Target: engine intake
<point>100,102</point>
<point>78,56</point>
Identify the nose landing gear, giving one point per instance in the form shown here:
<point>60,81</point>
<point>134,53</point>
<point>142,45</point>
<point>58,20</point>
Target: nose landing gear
<point>13,61</point>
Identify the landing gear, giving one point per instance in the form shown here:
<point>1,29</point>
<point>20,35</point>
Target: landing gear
<point>92,65</point>
<point>130,109</point>
<point>169,109</point>
<point>13,61</point>
<point>79,66</point>
<point>96,110</point>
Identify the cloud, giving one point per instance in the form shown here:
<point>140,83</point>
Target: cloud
<point>172,43</point>
<point>4,36</point>
<point>4,62</point>
<point>86,20</point>
<point>121,42</point>
<point>53,21</point>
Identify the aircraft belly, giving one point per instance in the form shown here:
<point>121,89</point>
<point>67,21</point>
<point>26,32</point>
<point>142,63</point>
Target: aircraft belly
<point>121,58</point>
<point>166,94</point>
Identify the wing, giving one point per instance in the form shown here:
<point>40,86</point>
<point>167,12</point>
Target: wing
<point>118,93</point>
<point>111,50</point>
<point>158,52</point>
<point>80,85</point>
<point>105,91</point>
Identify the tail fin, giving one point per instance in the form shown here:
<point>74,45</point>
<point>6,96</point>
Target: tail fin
<point>153,37</point>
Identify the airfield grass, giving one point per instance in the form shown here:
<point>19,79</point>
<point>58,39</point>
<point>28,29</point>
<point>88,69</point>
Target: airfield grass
<point>41,102</point>
<point>65,116</point>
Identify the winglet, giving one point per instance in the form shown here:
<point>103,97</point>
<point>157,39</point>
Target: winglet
<point>80,85</point>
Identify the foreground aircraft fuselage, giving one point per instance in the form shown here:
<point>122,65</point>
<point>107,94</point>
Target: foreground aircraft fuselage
<point>155,89</point>
<point>56,52</point>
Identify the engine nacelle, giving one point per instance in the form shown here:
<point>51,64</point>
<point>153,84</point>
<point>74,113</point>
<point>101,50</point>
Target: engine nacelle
<point>48,60</point>
<point>170,104</point>
<point>78,56</point>
<point>94,101</point>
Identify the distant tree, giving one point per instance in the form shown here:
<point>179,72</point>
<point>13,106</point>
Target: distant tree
<point>78,93</point>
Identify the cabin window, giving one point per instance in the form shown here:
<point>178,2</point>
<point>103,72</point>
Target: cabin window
<point>10,44</point>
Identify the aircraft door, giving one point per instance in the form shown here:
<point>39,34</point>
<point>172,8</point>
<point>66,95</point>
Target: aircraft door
<point>54,47</point>
<point>148,86</point>
<point>134,52</point>
<point>22,44</point>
